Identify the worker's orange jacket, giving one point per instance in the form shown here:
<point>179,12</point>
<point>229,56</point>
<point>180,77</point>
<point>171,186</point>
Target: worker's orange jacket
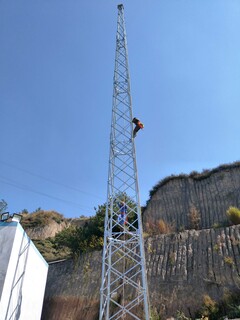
<point>140,124</point>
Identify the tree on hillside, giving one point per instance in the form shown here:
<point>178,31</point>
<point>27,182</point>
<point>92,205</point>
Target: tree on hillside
<point>84,238</point>
<point>24,211</point>
<point>90,235</point>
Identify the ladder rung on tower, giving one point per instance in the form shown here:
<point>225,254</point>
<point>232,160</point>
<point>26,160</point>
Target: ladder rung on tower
<point>124,293</point>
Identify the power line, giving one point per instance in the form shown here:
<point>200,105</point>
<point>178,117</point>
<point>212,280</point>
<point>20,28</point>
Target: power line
<point>26,188</point>
<point>49,180</point>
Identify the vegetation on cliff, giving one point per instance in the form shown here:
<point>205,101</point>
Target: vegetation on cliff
<point>89,236</point>
<point>213,259</point>
<point>85,238</point>
<point>229,305</point>
<point>193,175</point>
<point>79,236</point>
<point>50,251</point>
<point>162,227</point>
<point>233,214</point>
<point>40,218</point>
<point>212,310</point>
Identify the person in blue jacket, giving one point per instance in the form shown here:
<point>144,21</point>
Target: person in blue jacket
<point>122,217</point>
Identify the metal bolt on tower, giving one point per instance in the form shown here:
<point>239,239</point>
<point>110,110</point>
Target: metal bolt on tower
<point>124,293</point>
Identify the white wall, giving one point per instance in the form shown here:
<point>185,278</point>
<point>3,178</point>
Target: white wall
<point>25,273</point>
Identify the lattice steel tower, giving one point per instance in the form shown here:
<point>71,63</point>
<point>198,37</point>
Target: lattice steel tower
<point>124,293</point>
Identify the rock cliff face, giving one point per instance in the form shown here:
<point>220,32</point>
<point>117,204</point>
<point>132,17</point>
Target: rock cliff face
<point>48,231</point>
<point>211,193</point>
<point>182,267</point>
<point>52,228</point>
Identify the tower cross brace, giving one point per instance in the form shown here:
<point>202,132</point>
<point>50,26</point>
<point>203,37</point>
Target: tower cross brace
<point>123,293</point>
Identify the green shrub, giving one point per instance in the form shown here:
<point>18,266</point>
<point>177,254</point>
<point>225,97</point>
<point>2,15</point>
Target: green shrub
<point>89,236</point>
<point>234,311</point>
<point>229,260</point>
<point>231,304</point>
<point>216,225</point>
<point>155,315</point>
<point>84,238</point>
<point>228,305</point>
<point>210,307</point>
<point>49,251</point>
<point>217,247</point>
<point>233,214</point>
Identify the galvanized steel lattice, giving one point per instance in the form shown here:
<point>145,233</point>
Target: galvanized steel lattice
<point>124,293</point>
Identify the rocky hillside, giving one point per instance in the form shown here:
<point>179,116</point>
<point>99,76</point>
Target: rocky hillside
<point>182,269</point>
<point>42,227</point>
<point>211,193</point>
<point>42,224</point>
<point>189,271</point>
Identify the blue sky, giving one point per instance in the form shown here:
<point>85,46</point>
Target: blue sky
<point>57,63</point>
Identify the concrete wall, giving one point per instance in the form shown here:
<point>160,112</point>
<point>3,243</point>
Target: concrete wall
<point>73,289</point>
<point>23,274</point>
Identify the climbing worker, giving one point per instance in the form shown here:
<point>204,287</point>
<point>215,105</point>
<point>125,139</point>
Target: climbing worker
<point>122,217</point>
<point>138,125</point>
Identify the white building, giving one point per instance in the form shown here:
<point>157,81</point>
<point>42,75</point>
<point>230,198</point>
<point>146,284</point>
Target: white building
<point>23,275</point>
